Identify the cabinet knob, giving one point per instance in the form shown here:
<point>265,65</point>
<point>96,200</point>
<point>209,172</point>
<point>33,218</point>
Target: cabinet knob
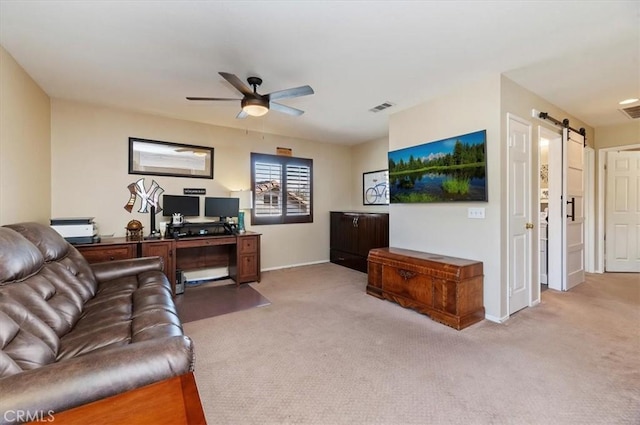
<point>111,258</point>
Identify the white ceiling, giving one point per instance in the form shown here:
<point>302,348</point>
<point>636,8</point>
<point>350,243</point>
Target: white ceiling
<point>582,56</point>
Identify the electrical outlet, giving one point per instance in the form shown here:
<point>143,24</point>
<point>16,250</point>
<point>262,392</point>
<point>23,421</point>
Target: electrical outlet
<point>475,212</point>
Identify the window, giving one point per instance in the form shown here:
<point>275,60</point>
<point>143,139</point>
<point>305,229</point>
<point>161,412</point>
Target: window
<point>282,189</point>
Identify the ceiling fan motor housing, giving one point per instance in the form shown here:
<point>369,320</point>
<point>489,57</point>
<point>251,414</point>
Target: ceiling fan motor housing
<point>256,106</point>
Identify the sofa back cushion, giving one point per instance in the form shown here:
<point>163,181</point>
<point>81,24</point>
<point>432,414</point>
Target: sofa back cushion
<point>44,284</point>
<point>26,341</point>
<point>72,270</point>
<point>18,258</point>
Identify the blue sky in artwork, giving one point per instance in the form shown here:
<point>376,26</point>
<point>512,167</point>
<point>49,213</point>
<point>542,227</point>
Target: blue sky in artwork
<point>437,148</point>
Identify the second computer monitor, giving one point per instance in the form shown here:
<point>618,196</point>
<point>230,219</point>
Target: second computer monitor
<point>223,208</point>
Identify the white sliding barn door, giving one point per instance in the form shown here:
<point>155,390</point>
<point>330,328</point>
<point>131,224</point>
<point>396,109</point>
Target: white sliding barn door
<point>622,210</point>
<point>520,223</point>
<point>573,209</point>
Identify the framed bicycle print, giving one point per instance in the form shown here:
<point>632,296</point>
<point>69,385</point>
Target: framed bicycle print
<point>375,188</point>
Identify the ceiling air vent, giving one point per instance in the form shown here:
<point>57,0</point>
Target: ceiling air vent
<point>632,112</point>
<point>381,107</point>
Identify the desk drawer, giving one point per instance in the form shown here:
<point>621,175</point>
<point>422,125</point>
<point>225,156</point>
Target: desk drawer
<point>99,254</point>
<point>248,244</point>
<point>202,242</point>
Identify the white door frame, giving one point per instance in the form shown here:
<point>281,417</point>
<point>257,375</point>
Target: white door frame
<point>602,160</point>
<point>590,210</point>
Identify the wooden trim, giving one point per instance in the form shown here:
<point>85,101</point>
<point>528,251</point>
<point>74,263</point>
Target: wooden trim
<point>172,401</point>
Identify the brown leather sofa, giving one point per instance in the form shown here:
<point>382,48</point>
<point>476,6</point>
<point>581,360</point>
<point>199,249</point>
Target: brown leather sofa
<point>72,333</point>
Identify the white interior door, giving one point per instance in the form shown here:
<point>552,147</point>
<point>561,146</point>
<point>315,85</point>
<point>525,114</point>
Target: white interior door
<point>622,211</point>
<point>520,223</point>
<point>573,209</point>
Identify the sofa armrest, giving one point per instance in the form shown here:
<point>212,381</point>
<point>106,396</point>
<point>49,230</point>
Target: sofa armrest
<point>81,380</point>
<point>110,270</point>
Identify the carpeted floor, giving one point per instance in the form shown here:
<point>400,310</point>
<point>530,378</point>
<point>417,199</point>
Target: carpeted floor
<point>324,352</point>
<point>215,299</point>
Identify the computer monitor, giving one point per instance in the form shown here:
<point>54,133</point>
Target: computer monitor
<point>188,206</point>
<point>221,207</point>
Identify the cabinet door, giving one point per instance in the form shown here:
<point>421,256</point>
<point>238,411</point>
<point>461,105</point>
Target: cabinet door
<point>165,250</point>
<point>344,232</point>
<point>373,232</point>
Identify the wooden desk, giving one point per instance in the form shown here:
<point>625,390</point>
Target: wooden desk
<point>241,253</point>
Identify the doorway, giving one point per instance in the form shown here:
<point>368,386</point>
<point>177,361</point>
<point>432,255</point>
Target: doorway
<point>543,210</point>
<point>602,222</point>
<point>550,207</point>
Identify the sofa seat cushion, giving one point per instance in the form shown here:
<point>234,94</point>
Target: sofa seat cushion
<point>21,350</point>
<point>124,310</point>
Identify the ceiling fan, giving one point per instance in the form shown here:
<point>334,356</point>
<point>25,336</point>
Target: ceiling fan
<point>256,104</point>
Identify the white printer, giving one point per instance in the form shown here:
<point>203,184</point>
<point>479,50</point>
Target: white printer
<point>76,230</point>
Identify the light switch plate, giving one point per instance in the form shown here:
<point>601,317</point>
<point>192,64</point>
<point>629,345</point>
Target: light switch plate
<point>477,212</point>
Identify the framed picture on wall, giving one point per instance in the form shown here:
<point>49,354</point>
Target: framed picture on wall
<point>544,194</point>
<point>375,187</point>
<point>448,170</point>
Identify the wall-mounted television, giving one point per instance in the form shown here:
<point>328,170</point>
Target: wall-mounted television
<point>223,208</point>
<point>188,206</point>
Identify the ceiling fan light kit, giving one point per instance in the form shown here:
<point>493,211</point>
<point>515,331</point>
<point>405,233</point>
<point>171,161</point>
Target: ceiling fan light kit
<point>255,107</point>
<point>255,104</point>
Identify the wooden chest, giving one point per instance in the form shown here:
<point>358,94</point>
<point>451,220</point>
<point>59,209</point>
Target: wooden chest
<point>447,289</point>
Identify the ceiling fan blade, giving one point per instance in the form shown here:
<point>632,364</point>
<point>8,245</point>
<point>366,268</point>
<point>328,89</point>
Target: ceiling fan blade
<point>209,98</point>
<point>242,114</point>
<point>285,109</point>
<point>237,83</point>
<point>289,93</point>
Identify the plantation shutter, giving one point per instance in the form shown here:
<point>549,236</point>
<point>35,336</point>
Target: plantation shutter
<point>298,190</point>
<point>268,189</point>
<point>282,189</point>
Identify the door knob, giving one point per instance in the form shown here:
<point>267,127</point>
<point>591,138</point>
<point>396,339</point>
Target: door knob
<point>528,226</point>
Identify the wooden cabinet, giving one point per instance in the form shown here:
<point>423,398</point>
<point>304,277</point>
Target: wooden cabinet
<point>166,250</point>
<point>353,234</point>
<point>116,249</point>
<point>447,289</point>
<point>247,264</point>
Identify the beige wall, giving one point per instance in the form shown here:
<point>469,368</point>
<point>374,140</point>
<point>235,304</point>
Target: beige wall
<point>618,135</point>
<point>444,228</point>
<point>90,173</point>
<point>25,153</point>
<point>366,157</point>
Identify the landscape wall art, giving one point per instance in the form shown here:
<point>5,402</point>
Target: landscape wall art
<point>449,170</point>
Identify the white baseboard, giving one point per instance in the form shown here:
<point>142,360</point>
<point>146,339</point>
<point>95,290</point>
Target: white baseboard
<point>496,319</point>
<point>294,265</point>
